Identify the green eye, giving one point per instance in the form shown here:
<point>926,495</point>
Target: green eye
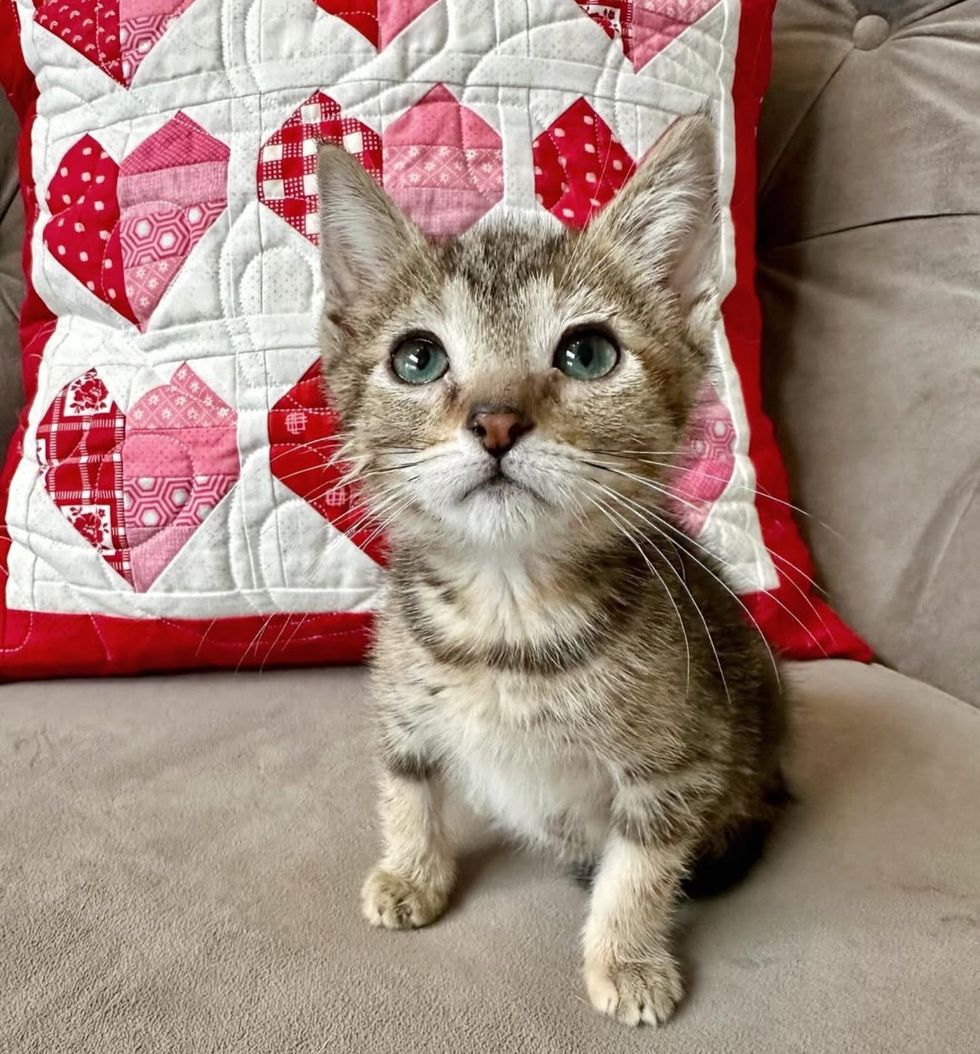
<point>419,360</point>
<point>586,355</point>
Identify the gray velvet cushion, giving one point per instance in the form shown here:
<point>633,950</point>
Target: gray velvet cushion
<point>870,280</point>
<point>180,859</point>
<point>11,275</point>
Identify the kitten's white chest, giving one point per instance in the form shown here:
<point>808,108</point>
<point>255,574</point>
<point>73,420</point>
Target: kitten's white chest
<point>522,775</point>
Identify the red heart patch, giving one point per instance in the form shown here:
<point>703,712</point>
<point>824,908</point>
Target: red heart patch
<point>375,20</point>
<point>440,161</point>
<point>112,36</point>
<point>578,165</point>
<point>286,172</point>
<point>443,164</point>
<point>303,449</point>
<point>124,231</point>
<point>137,486</point>
<point>83,232</point>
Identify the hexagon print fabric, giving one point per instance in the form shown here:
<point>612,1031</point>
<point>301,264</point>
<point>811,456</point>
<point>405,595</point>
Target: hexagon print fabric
<point>125,230</point>
<point>174,497</point>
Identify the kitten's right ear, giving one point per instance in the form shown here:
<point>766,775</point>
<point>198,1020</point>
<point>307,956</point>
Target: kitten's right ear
<point>363,233</point>
<point>666,219</point>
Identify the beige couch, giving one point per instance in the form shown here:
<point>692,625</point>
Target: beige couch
<point>179,856</point>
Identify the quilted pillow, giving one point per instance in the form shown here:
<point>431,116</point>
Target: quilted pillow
<point>169,498</point>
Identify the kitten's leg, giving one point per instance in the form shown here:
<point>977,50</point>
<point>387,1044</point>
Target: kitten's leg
<point>411,884</point>
<point>630,972</point>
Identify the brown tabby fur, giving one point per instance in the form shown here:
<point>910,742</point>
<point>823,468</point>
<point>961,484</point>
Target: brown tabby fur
<point>551,645</point>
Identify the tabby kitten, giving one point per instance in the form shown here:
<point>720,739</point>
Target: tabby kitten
<point>551,645</point>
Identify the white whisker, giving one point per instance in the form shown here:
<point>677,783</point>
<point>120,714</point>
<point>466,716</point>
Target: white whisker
<point>670,596</point>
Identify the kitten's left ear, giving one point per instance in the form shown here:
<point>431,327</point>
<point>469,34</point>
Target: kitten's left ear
<point>363,233</point>
<point>666,218</point>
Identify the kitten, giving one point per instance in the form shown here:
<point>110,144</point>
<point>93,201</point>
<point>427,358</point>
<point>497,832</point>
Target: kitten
<point>551,644</point>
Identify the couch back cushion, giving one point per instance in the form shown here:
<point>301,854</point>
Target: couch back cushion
<point>11,273</point>
<point>870,278</point>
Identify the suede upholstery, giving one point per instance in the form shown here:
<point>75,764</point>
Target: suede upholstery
<point>180,859</point>
<point>869,232</point>
<point>11,274</point>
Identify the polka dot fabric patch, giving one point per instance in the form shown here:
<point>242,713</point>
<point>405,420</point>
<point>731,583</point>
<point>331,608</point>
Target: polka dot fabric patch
<point>173,498</point>
<point>124,231</point>
<point>578,165</point>
<point>115,36</point>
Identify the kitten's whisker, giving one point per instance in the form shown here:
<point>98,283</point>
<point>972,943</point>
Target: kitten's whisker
<point>724,586</point>
<point>253,643</point>
<point>398,468</point>
<point>392,504</point>
<point>672,494</point>
<point>287,618</point>
<point>675,494</point>
<point>331,441</point>
<point>621,453</point>
<point>643,512</point>
<point>371,514</point>
<point>666,493</point>
<point>815,586</point>
<point>369,518</point>
<point>670,596</point>
<point>292,636</point>
<point>760,492</point>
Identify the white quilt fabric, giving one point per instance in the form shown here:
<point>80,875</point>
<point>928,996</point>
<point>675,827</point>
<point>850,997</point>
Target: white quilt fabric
<point>457,106</point>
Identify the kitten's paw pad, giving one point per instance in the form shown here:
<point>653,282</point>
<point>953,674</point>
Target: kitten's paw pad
<point>398,903</point>
<point>635,992</point>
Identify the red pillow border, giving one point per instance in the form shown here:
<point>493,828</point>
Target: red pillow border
<point>799,624</point>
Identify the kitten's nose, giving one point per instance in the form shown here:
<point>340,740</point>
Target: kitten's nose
<point>497,427</point>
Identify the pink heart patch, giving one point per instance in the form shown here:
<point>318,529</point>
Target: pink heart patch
<point>124,231</point>
<point>645,27</point>
<point>302,454</point>
<point>705,469</point>
<point>115,35</point>
<point>378,21</point>
<point>578,165</point>
<point>137,486</point>
<point>443,164</point>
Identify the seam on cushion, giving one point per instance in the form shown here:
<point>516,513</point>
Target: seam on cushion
<point>962,704</point>
<point>791,138</point>
<point>891,221</point>
<point>950,533</point>
<point>921,581</point>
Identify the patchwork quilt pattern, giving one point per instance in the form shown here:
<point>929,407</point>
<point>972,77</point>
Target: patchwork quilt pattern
<point>171,498</point>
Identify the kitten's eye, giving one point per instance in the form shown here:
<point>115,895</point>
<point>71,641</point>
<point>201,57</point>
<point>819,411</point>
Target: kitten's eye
<point>419,360</point>
<point>586,355</point>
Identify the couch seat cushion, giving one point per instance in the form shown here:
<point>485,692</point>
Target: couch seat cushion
<point>180,860</point>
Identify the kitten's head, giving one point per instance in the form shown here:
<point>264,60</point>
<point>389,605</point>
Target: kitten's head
<point>496,386</point>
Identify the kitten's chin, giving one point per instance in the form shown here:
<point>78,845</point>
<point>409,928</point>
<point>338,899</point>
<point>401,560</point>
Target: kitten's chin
<point>500,511</point>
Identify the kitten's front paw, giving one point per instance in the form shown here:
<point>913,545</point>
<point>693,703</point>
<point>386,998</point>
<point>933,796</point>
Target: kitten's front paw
<point>634,992</point>
<point>398,903</point>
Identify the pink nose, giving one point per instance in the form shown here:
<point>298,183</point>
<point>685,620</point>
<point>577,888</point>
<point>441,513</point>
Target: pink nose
<point>498,428</point>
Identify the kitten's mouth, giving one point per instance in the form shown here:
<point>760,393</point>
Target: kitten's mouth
<point>497,481</point>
